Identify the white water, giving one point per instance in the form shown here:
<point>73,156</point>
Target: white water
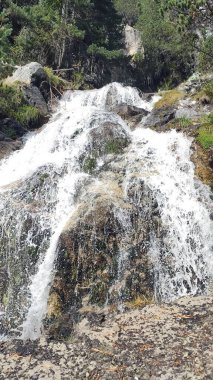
<point>182,256</point>
<point>46,177</point>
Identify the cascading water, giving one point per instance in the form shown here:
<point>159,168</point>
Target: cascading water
<point>39,190</point>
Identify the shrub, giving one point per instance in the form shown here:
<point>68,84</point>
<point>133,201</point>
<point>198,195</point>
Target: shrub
<point>101,51</point>
<point>26,115</point>
<point>13,104</point>
<point>55,81</point>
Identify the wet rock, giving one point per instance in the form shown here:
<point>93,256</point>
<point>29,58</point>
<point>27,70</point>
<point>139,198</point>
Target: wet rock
<point>126,111</point>
<point>104,139</point>
<point>90,270</point>
<point>159,117</point>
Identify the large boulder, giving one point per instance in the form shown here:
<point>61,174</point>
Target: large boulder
<point>100,266</point>
<point>32,73</point>
<point>34,84</point>
<point>159,117</point>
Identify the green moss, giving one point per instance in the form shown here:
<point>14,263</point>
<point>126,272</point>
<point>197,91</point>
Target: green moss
<point>5,300</point>
<point>89,164</point>
<point>169,98</point>
<point>98,293</point>
<point>205,132</point>
<point>116,146</point>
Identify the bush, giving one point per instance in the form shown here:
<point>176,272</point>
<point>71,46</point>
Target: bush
<point>101,51</point>
<point>54,80</point>
<point>26,115</point>
<point>13,104</point>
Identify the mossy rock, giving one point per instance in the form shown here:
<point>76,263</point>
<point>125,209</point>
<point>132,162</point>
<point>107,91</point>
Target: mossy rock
<point>169,98</point>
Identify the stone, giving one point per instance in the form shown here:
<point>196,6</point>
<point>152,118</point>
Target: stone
<point>35,98</point>
<point>126,110</point>
<point>159,117</point>
<point>28,74</point>
<point>133,41</point>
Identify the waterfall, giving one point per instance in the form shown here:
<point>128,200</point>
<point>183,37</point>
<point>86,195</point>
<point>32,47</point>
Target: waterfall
<point>39,191</point>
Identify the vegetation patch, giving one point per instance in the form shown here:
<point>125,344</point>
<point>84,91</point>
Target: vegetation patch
<point>26,115</point>
<point>169,98</point>
<point>55,81</point>
<point>89,164</point>
<point>115,146</point>
<point>205,132</point>
<point>13,105</point>
<point>182,122</point>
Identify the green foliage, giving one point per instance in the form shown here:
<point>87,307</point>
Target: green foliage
<point>12,103</point>
<point>189,12</point>
<point>43,34</point>
<point>206,55</point>
<point>101,51</point>
<point>205,132</point>
<point>183,122</point>
<point>26,114</point>
<point>77,80</point>
<point>168,54</point>
<point>55,81</point>
<point>129,9</point>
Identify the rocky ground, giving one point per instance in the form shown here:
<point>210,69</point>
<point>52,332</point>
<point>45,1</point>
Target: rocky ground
<point>152,342</point>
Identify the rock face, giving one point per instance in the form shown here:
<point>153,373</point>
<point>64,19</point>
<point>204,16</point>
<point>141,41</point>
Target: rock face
<point>10,133</point>
<point>96,266</point>
<point>133,41</point>
<point>32,72</point>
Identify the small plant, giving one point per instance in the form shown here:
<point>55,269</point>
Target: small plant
<point>55,81</point>
<point>182,122</point>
